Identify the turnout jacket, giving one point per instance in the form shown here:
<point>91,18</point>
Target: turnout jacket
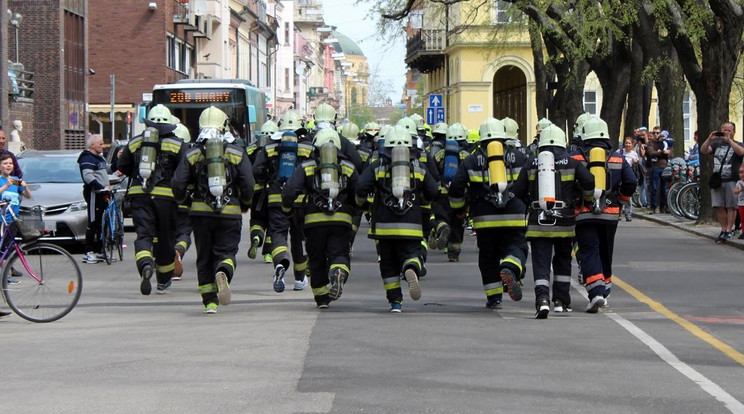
<point>621,184</point>
<point>306,180</point>
<point>438,153</point>
<point>573,181</point>
<point>192,170</point>
<point>267,166</point>
<point>470,188</point>
<point>387,223</point>
<point>170,150</point>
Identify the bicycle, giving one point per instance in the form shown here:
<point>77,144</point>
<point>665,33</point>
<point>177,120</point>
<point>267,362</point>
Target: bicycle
<point>112,227</point>
<point>51,281</point>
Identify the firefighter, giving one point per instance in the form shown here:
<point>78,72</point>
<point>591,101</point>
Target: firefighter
<point>597,215</point>
<point>421,130</point>
<point>325,117</point>
<point>448,231</point>
<point>220,173</point>
<point>548,186</point>
<point>329,181</point>
<point>367,137</point>
<point>487,176</point>
<point>400,185</point>
<point>274,165</point>
<point>259,220</point>
<point>149,161</point>
<point>183,222</point>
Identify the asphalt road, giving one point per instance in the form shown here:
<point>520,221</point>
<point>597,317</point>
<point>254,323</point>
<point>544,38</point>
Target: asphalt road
<point>670,342</point>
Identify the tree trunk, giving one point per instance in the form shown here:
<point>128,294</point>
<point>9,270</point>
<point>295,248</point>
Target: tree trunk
<point>634,110</point>
<point>671,88</point>
<point>542,77</point>
<point>613,73</point>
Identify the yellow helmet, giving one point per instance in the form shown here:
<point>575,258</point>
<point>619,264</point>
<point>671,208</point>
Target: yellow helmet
<point>213,117</point>
<point>473,136</point>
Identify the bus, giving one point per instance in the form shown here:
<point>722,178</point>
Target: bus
<point>243,103</point>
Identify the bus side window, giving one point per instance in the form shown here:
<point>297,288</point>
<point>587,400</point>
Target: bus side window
<point>251,114</point>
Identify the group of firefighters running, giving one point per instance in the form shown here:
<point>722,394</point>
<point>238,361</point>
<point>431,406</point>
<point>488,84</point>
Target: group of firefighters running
<point>307,187</point>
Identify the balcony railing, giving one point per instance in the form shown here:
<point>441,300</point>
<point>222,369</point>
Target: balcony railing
<point>21,83</point>
<point>425,50</point>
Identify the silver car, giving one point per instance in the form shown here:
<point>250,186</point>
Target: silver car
<point>55,183</point>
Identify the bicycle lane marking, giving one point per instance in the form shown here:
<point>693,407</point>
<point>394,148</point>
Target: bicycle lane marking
<point>731,403</point>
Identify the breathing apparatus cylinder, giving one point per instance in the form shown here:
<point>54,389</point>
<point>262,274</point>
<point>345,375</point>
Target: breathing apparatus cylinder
<point>148,154</point>
<point>546,180</point>
<point>401,171</point>
<point>597,168</point>
<point>451,159</point>
<point>496,166</point>
<point>287,156</point>
<point>216,178</point>
<point>329,183</point>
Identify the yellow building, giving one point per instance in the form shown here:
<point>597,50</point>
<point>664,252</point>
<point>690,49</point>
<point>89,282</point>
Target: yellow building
<point>483,66</point>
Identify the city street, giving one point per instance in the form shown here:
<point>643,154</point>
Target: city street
<point>671,341</point>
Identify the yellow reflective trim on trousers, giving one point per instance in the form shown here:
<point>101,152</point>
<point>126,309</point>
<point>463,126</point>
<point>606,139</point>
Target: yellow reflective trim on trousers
<point>143,254</point>
<point>278,250</point>
<point>485,224</point>
<point>392,285</point>
<point>256,227</point>
<point>258,187</point>
<point>182,244</point>
<point>338,217</point>
<point>275,198</point>
<point>299,267</point>
<point>340,266</point>
<point>202,207</point>
<point>158,191</point>
<point>412,260</point>
<point>208,288</point>
<point>166,268</point>
<point>497,291</point>
<point>550,235</point>
<point>398,232</point>
<point>229,262</point>
<point>513,260</point>
<point>323,290</point>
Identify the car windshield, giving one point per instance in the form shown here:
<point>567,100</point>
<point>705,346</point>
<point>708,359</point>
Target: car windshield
<point>50,169</point>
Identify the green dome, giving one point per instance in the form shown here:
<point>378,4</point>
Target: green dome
<point>346,45</point>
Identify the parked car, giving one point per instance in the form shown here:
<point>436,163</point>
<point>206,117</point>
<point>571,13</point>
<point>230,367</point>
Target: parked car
<point>55,183</point>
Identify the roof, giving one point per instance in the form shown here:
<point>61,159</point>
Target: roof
<point>346,45</point>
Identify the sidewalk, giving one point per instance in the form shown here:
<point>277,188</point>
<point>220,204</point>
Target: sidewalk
<point>707,230</point>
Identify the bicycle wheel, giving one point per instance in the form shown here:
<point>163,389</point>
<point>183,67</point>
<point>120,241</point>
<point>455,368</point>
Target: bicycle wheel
<point>107,237</point>
<point>119,234</point>
<point>51,284</point>
<point>636,199</point>
<point>688,201</point>
<point>672,199</point>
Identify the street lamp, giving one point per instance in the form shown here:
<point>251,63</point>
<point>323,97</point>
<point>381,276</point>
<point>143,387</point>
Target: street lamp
<point>15,19</point>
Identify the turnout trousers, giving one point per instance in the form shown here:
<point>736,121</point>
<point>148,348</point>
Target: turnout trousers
<point>443,212</point>
<point>183,230</point>
<point>396,256</point>
<point>216,240</point>
<point>596,241</point>
<point>500,248</point>
<point>327,249</point>
<point>555,251</point>
<point>279,226</point>
<point>155,218</point>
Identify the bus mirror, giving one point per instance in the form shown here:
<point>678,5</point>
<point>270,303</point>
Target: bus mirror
<point>251,114</point>
<point>142,113</point>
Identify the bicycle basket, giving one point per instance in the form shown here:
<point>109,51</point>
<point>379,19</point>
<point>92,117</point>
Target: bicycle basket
<point>30,226</point>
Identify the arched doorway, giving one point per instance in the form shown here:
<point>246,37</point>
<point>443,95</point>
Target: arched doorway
<point>510,97</point>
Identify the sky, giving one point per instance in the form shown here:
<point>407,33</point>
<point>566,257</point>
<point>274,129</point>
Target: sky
<point>349,20</point>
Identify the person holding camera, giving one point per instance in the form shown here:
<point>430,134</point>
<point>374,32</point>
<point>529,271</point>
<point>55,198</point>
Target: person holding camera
<point>727,157</point>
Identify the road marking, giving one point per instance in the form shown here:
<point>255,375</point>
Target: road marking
<point>725,348</point>
<point>665,354</point>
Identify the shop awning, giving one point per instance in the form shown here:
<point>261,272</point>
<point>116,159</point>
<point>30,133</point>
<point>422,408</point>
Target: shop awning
<point>102,111</point>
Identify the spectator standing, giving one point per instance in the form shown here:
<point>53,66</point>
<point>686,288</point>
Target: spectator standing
<point>739,191</point>
<point>634,160</point>
<point>694,155</point>
<point>727,157</point>
<point>4,150</point>
<point>641,139</point>
<point>658,155</point>
<point>95,179</point>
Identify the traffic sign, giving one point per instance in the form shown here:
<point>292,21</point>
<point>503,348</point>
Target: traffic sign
<point>431,116</point>
<point>440,114</point>
<point>435,100</point>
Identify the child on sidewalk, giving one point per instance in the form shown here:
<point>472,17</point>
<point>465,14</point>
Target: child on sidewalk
<point>739,192</point>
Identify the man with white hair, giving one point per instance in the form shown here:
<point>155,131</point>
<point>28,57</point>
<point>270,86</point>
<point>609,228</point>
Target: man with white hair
<point>95,178</point>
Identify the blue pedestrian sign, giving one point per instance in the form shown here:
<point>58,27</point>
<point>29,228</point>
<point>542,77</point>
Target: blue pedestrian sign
<point>434,115</point>
<point>435,100</point>
<point>440,115</point>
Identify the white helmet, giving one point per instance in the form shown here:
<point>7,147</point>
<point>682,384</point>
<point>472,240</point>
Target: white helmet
<point>542,124</point>
<point>580,123</point>
<point>511,127</point>
<point>325,112</point>
<point>269,127</point>
<point>553,136</point>
<point>398,135</point>
<point>350,130</point>
<point>492,129</point>
<point>440,128</point>
<point>384,130</point>
<point>160,114</point>
<point>182,132</point>
<point>594,128</point>
<point>290,121</point>
<point>325,136</point>
<point>418,120</point>
<point>408,124</point>
<point>213,117</point>
<point>457,132</point>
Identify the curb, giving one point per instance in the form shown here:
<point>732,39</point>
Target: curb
<point>735,243</point>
